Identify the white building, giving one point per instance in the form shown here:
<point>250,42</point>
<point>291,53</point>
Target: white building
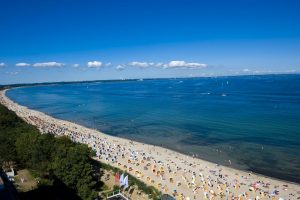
<point>10,174</point>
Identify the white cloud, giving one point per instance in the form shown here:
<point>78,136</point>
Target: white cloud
<point>22,64</point>
<point>246,70</point>
<point>76,65</point>
<point>108,64</point>
<point>140,64</point>
<point>120,67</point>
<point>172,64</point>
<point>2,64</point>
<point>160,64</point>
<point>94,64</point>
<point>183,64</point>
<point>48,64</point>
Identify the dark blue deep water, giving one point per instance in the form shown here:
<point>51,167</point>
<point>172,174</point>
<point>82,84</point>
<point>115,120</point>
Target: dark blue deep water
<point>252,120</point>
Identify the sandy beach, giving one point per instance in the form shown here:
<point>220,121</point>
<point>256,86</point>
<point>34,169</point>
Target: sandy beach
<point>179,175</point>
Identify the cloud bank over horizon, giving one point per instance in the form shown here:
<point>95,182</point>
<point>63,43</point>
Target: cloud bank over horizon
<point>48,64</point>
<point>98,64</point>
<point>94,64</point>
<point>22,64</point>
<point>104,69</point>
<point>183,64</point>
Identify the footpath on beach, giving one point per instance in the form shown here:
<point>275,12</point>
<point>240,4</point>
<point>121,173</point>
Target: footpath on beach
<point>179,175</point>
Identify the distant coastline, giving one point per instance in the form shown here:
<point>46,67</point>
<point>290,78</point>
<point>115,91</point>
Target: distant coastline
<point>10,86</point>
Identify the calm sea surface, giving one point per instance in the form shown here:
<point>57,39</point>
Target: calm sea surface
<point>254,121</point>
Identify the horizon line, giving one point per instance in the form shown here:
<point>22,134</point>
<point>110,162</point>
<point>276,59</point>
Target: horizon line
<point>134,79</point>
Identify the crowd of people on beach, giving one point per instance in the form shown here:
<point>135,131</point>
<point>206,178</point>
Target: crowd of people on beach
<point>179,175</point>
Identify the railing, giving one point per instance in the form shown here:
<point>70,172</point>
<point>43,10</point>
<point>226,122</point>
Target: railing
<point>117,193</point>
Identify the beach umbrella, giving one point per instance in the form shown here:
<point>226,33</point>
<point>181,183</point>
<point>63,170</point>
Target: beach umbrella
<point>166,189</point>
<point>246,194</point>
<point>148,178</point>
<point>136,171</point>
<point>181,196</point>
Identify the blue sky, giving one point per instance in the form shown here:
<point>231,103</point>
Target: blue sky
<point>64,40</point>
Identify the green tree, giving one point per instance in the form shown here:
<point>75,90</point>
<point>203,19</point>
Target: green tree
<point>60,158</point>
<point>25,145</point>
<point>42,152</point>
<point>73,166</point>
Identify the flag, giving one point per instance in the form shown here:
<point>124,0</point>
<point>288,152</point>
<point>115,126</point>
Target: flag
<point>126,181</point>
<point>122,180</point>
<point>117,177</point>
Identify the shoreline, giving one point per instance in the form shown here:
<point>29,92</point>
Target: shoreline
<point>155,165</point>
<point>189,154</point>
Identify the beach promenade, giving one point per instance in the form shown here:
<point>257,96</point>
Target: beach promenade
<point>179,175</point>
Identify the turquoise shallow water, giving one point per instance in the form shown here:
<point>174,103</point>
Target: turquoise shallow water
<point>252,120</point>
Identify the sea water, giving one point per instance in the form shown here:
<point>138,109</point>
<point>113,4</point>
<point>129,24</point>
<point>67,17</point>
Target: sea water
<point>253,121</point>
